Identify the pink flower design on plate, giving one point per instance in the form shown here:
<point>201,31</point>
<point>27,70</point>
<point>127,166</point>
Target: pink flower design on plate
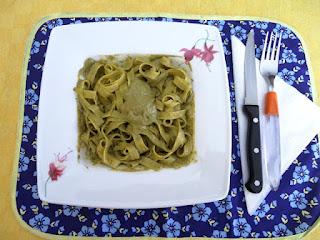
<point>208,54</point>
<point>190,53</point>
<point>205,53</point>
<point>56,168</point>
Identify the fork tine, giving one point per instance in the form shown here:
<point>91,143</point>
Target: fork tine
<point>269,47</point>
<point>274,47</point>
<point>278,48</point>
<point>264,47</point>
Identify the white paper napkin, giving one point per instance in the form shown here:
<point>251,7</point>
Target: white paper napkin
<point>299,122</point>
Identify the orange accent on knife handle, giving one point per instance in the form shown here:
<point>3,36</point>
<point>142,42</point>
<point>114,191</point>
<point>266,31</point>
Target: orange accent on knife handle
<point>271,106</point>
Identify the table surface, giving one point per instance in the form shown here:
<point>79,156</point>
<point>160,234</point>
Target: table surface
<point>17,18</point>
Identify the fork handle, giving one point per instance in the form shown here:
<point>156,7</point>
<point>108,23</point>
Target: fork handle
<point>254,183</point>
<point>273,140</point>
<point>271,105</point>
<point>273,153</point>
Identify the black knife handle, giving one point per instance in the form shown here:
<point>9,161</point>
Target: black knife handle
<point>254,183</point>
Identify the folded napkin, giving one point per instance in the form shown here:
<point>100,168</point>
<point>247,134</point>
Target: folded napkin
<point>299,122</point>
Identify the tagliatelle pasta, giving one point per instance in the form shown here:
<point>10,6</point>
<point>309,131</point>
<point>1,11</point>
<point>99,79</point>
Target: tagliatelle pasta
<point>136,112</point>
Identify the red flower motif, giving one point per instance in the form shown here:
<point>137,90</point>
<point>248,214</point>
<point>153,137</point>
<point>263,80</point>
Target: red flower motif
<point>208,54</point>
<point>190,53</point>
<point>55,170</point>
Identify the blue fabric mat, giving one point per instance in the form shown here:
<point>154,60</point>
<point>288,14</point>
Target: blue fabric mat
<point>290,210</point>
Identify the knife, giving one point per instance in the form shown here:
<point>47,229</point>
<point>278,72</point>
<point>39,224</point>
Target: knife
<point>251,109</point>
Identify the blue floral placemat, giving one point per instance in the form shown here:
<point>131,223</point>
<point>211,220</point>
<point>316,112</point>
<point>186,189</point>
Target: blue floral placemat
<point>290,210</point>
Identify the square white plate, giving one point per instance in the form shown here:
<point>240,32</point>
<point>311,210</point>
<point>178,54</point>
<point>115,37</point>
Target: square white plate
<point>97,186</point>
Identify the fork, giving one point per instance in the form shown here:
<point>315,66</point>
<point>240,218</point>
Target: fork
<point>269,70</point>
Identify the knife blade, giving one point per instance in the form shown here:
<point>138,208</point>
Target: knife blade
<point>251,108</point>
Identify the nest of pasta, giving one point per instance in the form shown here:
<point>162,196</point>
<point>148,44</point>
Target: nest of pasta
<point>136,112</point>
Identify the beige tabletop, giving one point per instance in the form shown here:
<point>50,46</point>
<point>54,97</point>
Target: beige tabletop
<point>17,18</point>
